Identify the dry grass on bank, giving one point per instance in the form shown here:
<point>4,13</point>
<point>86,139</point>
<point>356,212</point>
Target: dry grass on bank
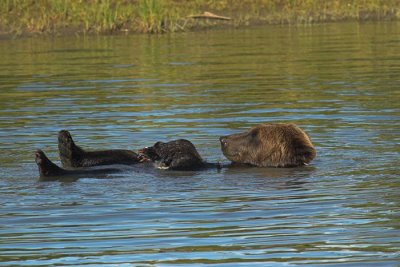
<point>157,16</point>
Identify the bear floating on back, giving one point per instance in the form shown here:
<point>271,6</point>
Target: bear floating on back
<point>264,145</point>
<point>175,155</point>
<point>270,145</point>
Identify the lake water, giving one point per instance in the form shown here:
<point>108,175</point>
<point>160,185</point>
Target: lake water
<point>339,82</point>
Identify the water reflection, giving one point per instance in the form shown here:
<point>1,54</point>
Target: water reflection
<point>338,82</point>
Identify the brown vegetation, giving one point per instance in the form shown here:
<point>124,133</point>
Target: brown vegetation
<point>156,16</point>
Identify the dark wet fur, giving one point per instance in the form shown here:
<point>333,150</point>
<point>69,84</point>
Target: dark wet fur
<point>269,145</point>
<point>74,156</point>
<point>49,171</point>
<point>175,155</point>
<point>46,167</point>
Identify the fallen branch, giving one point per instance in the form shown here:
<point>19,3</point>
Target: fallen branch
<point>209,15</point>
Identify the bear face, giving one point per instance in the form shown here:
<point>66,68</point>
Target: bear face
<point>178,155</point>
<point>269,145</point>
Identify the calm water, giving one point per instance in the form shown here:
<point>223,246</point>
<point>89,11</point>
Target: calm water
<point>341,83</point>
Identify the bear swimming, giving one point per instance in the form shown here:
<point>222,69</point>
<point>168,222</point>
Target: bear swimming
<point>269,145</point>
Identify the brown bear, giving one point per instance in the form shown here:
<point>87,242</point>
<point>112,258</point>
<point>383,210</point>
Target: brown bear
<point>73,156</point>
<point>49,171</point>
<point>269,145</point>
<point>174,155</point>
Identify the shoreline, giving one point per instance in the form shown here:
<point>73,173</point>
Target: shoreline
<point>30,18</point>
<point>79,33</point>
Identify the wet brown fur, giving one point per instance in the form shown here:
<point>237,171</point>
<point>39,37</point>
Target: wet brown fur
<point>270,145</point>
<point>49,171</point>
<point>176,155</point>
<point>46,167</point>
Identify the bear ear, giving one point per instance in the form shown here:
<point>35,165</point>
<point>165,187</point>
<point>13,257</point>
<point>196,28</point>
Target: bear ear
<point>254,133</point>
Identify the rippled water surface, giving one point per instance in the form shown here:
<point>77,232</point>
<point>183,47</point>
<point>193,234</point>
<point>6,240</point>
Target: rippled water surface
<point>339,82</point>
